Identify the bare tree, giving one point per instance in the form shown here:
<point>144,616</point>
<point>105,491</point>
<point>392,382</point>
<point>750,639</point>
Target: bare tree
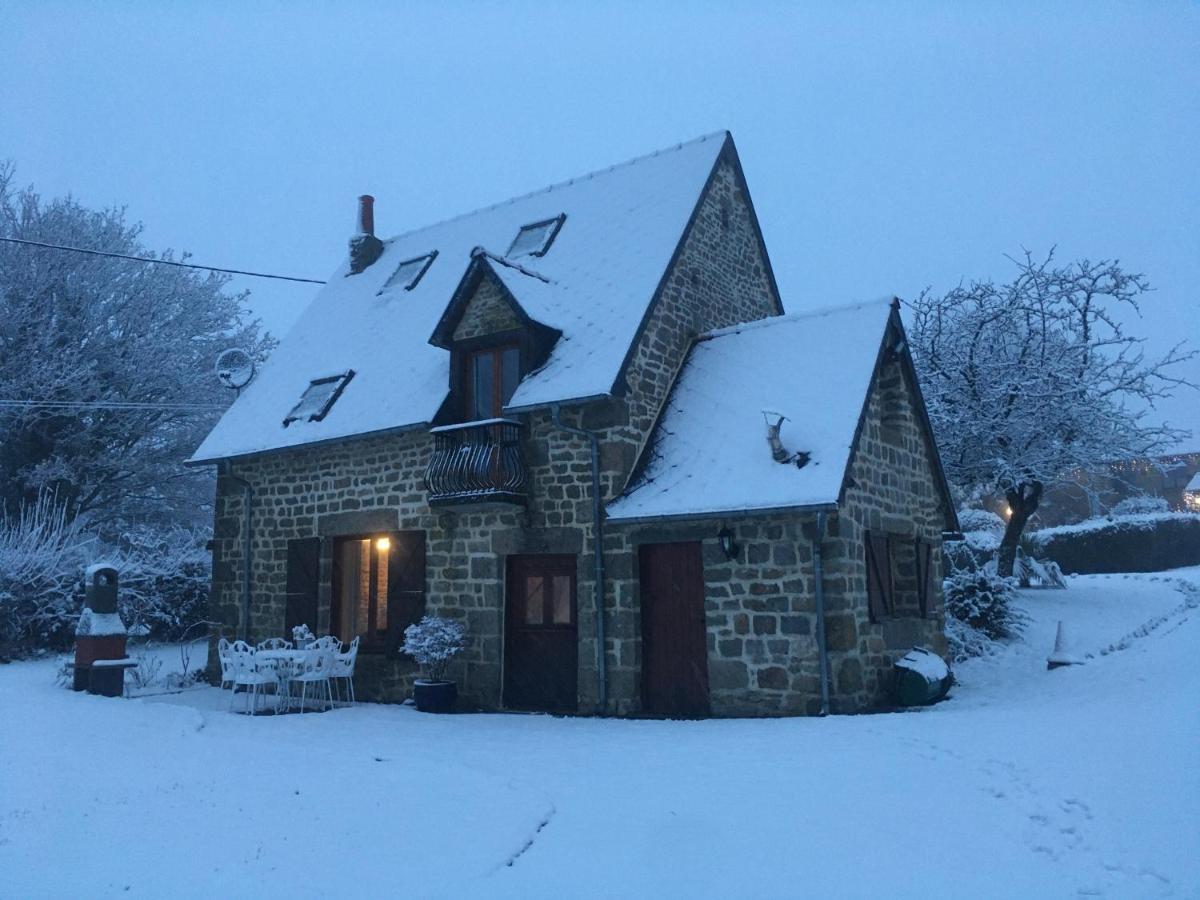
<point>91,332</point>
<point>1028,380</point>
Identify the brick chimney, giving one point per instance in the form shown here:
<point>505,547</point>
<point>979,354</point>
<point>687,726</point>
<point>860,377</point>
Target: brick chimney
<point>364,246</point>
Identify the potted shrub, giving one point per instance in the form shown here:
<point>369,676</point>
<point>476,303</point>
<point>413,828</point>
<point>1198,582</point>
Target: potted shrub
<point>433,642</point>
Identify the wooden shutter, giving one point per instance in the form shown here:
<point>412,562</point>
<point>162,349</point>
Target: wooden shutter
<point>303,581</point>
<point>879,576</point>
<point>924,556</point>
<point>406,585</point>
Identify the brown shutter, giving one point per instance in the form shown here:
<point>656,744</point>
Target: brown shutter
<point>879,576</point>
<point>303,580</point>
<point>924,574</point>
<point>406,585</point>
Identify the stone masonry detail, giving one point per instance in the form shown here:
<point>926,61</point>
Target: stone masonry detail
<point>760,607</point>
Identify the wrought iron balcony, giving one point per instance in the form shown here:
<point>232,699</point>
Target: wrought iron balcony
<point>477,462</point>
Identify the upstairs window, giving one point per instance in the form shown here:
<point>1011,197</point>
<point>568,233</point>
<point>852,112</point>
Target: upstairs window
<point>490,380</point>
<point>317,399</point>
<point>535,239</point>
<point>409,272</point>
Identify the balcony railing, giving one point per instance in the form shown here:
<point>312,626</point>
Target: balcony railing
<point>477,462</point>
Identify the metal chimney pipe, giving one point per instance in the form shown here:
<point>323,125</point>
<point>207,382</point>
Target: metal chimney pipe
<point>366,214</point>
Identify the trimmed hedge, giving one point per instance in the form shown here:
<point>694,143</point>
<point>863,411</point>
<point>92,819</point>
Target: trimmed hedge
<point>1136,544</point>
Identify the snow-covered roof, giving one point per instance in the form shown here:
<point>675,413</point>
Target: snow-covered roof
<point>602,270</point>
<point>1194,484</point>
<point>711,455</point>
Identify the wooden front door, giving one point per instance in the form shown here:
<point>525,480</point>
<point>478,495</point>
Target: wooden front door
<point>541,647</point>
<point>674,644</point>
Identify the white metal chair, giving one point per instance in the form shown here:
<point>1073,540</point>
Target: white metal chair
<point>315,669</point>
<point>248,676</point>
<point>275,643</point>
<point>226,662</point>
<point>343,667</point>
<point>327,641</point>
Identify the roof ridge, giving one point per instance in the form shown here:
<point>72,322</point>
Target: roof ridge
<point>561,184</point>
<point>791,317</point>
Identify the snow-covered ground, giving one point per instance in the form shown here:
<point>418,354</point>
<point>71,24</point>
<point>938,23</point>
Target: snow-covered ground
<point>1084,780</point>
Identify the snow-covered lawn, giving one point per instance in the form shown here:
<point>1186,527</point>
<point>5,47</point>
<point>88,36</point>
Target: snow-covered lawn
<point>1025,783</point>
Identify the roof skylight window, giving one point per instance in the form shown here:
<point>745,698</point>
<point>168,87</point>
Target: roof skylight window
<point>318,398</point>
<point>535,239</point>
<point>409,272</point>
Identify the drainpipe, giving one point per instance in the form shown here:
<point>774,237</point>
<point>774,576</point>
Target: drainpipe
<point>819,593</point>
<point>597,552</point>
<point>248,501</point>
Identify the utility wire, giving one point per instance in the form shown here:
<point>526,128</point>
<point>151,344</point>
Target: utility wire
<point>102,404</point>
<point>160,262</point>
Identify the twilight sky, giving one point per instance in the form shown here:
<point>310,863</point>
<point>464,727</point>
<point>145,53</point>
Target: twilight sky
<point>887,147</point>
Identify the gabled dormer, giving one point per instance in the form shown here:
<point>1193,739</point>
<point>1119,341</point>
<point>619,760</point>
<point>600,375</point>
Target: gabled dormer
<point>492,340</point>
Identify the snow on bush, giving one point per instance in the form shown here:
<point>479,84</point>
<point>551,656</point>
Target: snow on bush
<point>979,604</point>
<point>1132,506</point>
<point>163,577</point>
<point>979,520</point>
<point>433,642</point>
<point>41,556</point>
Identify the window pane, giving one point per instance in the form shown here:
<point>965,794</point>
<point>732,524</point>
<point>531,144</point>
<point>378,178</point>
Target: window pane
<point>350,553</point>
<point>481,385</point>
<point>535,598</point>
<point>363,596</point>
<point>381,585</point>
<point>532,238</point>
<point>510,374</point>
<point>562,600</point>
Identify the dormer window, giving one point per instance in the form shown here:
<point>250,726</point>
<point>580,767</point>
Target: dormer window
<point>318,398</point>
<point>409,272</point>
<point>490,379</point>
<point>535,239</point>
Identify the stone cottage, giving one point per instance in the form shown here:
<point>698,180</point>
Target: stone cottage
<point>580,422</point>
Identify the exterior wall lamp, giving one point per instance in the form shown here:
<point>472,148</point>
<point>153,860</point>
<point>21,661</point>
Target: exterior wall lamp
<point>728,545</point>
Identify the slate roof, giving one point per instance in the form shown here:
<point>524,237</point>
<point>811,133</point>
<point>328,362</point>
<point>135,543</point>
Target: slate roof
<point>710,454</point>
<point>622,227</point>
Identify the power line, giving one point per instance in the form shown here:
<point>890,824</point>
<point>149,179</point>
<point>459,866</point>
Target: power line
<point>103,404</point>
<point>160,262</point>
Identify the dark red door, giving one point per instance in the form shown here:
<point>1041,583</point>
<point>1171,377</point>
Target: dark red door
<point>541,645</point>
<point>674,645</point>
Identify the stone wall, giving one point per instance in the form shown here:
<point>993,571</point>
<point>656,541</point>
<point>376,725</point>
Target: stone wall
<point>892,489</point>
<point>488,312</point>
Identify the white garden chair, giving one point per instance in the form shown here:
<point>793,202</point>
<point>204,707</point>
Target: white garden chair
<point>315,669</point>
<point>275,643</point>
<point>226,662</point>
<point>248,676</point>
<point>343,667</point>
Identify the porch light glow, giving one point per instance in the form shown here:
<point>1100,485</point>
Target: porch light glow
<point>383,545</point>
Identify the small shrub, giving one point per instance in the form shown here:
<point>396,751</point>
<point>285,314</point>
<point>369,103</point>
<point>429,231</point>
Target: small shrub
<point>979,520</point>
<point>980,611</point>
<point>145,673</point>
<point>433,642</point>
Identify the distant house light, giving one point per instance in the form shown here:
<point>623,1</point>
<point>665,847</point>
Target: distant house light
<point>318,398</point>
<point>535,239</point>
<point>409,272</point>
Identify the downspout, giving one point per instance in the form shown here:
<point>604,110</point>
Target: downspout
<point>819,594</point>
<point>597,552</point>
<point>247,504</point>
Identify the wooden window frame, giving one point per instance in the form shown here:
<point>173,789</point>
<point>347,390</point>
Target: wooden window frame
<point>881,581</point>
<point>467,376</point>
<point>396,598</point>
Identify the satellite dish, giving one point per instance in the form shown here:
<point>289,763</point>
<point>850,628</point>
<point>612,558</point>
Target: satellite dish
<point>235,368</point>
